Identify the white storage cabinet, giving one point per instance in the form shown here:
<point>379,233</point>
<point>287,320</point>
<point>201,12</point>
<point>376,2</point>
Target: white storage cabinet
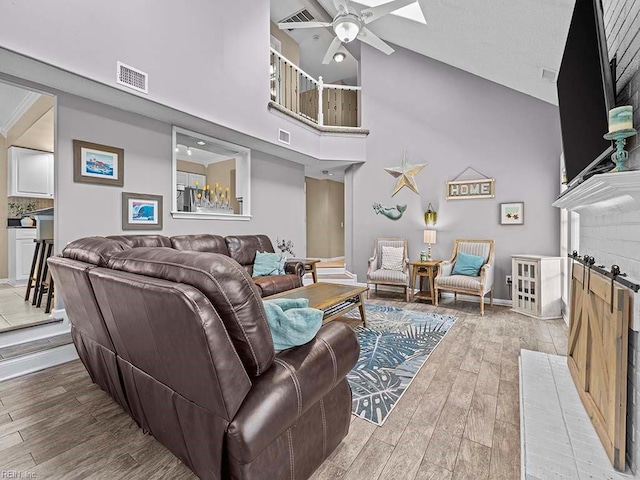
<point>536,286</point>
<point>21,248</point>
<point>30,173</point>
<point>190,179</point>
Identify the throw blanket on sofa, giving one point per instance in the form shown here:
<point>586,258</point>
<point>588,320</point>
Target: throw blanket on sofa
<point>291,322</point>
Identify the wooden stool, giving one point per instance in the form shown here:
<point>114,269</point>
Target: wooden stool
<point>37,258</point>
<point>46,280</point>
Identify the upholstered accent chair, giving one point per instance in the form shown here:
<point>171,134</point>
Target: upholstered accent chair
<point>376,275</point>
<point>480,285</point>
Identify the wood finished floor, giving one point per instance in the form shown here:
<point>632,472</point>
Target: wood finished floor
<point>459,419</point>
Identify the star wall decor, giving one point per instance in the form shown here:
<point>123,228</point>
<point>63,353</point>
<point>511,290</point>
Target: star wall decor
<point>405,174</point>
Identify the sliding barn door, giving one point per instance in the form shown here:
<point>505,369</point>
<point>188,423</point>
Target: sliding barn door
<point>597,355</point>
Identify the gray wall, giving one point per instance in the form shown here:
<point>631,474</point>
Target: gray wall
<point>452,120</point>
<point>82,209</point>
<point>208,58</point>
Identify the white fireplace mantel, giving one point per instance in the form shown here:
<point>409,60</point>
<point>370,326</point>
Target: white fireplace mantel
<point>612,192</point>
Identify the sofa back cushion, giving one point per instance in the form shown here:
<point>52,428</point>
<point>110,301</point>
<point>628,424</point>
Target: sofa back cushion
<point>228,287</point>
<point>200,243</point>
<point>93,250</point>
<point>243,248</point>
<point>170,332</point>
<point>135,241</point>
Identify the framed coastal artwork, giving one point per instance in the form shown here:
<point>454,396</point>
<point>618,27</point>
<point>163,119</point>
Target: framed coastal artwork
<point>141,211</point>
<point>100,164</point>
<point>512,213</point>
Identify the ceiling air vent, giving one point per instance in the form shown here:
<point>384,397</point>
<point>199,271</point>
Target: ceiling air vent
<point>301,16</point>
<point>284,136</point>
<point>133,78</point>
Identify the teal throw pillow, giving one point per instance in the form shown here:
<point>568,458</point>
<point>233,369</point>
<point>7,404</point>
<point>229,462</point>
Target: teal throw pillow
<point>467,264</point>
<point>268,264</point>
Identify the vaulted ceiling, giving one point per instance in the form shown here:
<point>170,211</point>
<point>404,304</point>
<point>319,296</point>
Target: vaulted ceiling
<point>510,43</point>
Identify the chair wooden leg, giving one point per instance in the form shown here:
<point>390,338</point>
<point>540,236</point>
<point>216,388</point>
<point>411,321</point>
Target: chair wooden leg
<point>406,293</point>
<point>34,263</point>
<point>491,298</point>
<point>369,289</point>
<point>49,295</point>
<point>41,262</point>
<point>482,305</point>
<point>435,293</point>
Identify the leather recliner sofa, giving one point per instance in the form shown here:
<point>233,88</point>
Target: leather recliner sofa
<point>242,248</point>
<point>180,340</point>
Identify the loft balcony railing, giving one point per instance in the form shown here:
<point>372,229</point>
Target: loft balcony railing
<point>322,103</point>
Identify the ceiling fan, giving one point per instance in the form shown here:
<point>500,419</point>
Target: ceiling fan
<point>348,26</point>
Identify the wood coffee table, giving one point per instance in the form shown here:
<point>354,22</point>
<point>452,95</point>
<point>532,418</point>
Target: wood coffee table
<point>332,298</point>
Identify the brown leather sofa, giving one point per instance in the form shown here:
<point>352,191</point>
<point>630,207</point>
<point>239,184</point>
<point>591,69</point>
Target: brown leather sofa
<point>180,340</point>
<point>242,248</point>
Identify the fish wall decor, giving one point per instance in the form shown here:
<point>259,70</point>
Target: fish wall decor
<point>393,213</point>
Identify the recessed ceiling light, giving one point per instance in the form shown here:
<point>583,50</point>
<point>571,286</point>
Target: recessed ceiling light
<point>326,172</point>
<point>339,57</point>
<point>189,151</point>
<point>200,142</point>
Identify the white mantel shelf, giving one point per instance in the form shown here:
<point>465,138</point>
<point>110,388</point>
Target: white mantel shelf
<point>617,191</point>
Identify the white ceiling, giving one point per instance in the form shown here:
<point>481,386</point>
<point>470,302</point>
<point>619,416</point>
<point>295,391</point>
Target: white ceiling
<point>503,41</point>
<point>14,102</point>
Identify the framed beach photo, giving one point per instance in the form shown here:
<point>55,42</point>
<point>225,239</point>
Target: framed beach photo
<point>100,164</point>
<point>141,211</point>
<point>512,213</point>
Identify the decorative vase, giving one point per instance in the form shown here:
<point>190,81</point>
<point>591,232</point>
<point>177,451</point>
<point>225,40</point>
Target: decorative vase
<point>27,222</point>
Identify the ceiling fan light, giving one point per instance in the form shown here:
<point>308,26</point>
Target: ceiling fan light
<point>339,57</point>
<point>347,28</point>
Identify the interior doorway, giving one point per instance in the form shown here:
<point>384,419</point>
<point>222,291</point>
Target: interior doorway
<point>27,146</point>
<point>325,218</point>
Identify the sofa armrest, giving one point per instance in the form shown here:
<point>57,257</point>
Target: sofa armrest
<point>298,379</point>
<point>295,267</point>
<point>486,276</point>
<point>445,268</point>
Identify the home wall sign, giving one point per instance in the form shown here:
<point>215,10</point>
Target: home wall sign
<point>467,189</point>
<point>459,190</point>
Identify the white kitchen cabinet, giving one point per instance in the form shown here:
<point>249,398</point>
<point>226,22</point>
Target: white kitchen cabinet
<point>21,248</point>
<point>189,179</point>
<point>30,173</point>
<point>536,286</point>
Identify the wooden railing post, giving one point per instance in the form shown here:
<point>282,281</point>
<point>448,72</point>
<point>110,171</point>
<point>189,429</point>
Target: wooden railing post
<point>320,109</point>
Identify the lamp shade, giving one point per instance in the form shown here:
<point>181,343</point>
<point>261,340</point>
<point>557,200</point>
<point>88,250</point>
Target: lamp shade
<point>347,28</point>
<point>429,237</point>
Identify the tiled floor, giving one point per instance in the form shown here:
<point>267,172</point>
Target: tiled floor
<point>15,312</point>
<point>459,419</point>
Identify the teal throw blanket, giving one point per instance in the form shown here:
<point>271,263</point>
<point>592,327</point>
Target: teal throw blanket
<point>291,322</point>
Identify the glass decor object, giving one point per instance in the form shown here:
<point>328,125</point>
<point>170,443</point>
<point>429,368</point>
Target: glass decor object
<point>430,216</point>
<point>620,128</point>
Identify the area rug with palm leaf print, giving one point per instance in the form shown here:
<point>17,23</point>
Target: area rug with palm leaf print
<point>393,347</point>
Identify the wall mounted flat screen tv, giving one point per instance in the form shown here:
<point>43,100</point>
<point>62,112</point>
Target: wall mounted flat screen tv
<point>585,91</point>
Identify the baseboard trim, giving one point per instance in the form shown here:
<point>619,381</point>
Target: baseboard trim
<point>466,298</point>
<point>25,364</point>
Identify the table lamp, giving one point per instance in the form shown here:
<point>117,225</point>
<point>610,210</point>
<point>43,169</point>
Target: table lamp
<point>429,238</point>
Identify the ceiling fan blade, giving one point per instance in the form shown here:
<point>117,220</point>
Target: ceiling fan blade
<point>341,5</point>
<point>374,13</point>
<point>333,48</point>
<point>292,25</point>
<point>368,37</point>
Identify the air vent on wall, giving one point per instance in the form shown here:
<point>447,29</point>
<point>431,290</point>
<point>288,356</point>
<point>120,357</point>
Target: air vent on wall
<point>284,136</point>
<point>301,16</point>
<point>133,78</point>
<point>549,75</point>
